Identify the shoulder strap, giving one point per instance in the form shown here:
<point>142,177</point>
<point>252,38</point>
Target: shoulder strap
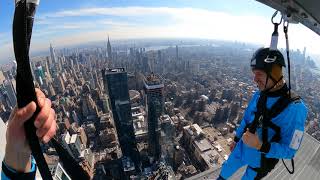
<point>264,114</point>
<point>258,117</point>
<point>276,109</point>
<point>282,104</point>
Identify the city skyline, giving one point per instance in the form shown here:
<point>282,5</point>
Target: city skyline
<point>167,113</point>
<point>156,90</point>
<point>68,24</point>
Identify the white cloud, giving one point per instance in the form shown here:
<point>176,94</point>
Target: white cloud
<point>168,23</point>
<point>6,52</point>
<point>118,11</point>
<point>197,23</point>
<point>113,23</point>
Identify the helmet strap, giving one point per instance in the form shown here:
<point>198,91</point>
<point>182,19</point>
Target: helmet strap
<point>276,83</point>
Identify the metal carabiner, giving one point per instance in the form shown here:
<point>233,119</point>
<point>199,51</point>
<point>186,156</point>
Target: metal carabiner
<point>275,34</point>
<point>273,16</point>
<point>285,26</point>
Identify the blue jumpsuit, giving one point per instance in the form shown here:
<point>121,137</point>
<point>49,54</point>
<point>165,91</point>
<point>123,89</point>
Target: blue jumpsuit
<point>291,121</point>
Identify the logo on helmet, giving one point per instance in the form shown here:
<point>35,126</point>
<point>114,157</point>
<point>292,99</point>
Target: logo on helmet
<point>270,60</point>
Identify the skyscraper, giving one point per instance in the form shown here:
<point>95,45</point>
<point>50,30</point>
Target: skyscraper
<point>2,77</point>
<point>116,84</point>
<point>39,74</point>
<point>109,52</point>
<point>145,65</point>
<point>160,63</point>
<point>52,54</point>
<point>304,53</point>
<point>60,173</point>
<point>177,53</point>
<point>10,93</point>
<point>47,68</point>
<point>59,84</point>
<point>153,87</point>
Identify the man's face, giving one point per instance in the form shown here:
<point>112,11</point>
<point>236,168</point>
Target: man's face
<point>260,77</point>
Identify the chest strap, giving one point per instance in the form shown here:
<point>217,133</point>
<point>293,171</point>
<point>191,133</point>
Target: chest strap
<point>263,116</point>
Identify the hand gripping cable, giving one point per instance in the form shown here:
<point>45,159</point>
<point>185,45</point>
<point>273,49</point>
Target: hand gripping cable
<point>22,31</point>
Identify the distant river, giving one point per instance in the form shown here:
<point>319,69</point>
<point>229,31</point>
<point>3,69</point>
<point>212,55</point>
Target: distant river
<point>154,48</point>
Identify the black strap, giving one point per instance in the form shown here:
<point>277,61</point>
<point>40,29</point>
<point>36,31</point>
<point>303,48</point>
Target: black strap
<point>22,30</point>
<point>261,106</point>
<point>71,166</point>
<point>277,129</point>
<point>264,116</point>
<point>260,174</point>
<point>17,175</point>
<point>279,106</point>
<point>292,164</point>
<point>285,30</point>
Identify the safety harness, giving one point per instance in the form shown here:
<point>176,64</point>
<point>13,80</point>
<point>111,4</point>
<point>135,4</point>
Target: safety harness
<point>263,115</point>
<point>263,119</point>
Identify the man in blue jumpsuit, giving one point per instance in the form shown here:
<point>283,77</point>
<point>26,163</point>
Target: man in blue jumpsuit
<point>248,147</point>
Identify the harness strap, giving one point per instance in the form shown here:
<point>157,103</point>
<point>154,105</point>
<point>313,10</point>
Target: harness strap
<point>277,129</point>
<point>261,105</point>
<point>292,164</point>
<point>264,116</point>
<point>279,106</point>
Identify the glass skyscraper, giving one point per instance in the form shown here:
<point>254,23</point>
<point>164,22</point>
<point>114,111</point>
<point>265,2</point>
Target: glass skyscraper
<point>116,85</point>
<point>155,105</point>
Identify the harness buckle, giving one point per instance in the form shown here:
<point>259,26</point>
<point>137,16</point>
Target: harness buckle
<point>260,121</point>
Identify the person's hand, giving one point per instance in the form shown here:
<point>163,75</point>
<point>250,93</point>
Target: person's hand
<point>251,140</point>
<point>18,153</point>
<point>232,145</point>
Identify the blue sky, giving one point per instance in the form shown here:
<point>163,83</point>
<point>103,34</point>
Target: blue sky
<point>65,22</point>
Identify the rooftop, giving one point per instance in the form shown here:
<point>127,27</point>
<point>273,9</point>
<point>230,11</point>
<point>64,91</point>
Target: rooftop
<point>211,158</point>
<point>67,137</point>
<point>193,129</point>
<point>153,78</point>
<point>307,165</point>
<point>73,138</point>
<point>114,70</point>
<point>153,81</point>
<point>127,164</point>
<point>203,145</point>
<point>134,95</point>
